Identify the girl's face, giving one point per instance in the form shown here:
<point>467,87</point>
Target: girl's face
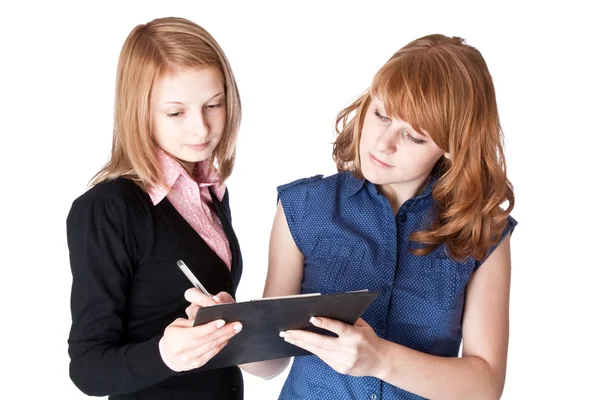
<point>188,113</point>
<point>392,152</point>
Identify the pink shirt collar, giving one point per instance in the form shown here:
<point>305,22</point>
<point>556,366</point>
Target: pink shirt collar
<point>172,171</point>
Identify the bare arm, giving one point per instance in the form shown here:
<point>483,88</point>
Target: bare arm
<point>284,277</point>
<point>481,371</point>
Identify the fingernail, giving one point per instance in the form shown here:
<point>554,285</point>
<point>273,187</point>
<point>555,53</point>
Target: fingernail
<point>237,327</point>
<point>220,323</point>
<point>315,321</point>
<point>282,334</point>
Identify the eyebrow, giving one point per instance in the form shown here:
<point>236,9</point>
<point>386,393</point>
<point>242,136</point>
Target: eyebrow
<point>378,102</point>
<point>376,99</point>
<point>180,103</point>
<point>423,135</point>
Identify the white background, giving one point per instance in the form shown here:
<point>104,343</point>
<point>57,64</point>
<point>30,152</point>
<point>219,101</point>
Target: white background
<point>296,66</point>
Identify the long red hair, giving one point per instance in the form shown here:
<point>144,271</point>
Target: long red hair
<point>443,86</point>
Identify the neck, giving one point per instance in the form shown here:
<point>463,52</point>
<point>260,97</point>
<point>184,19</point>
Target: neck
<point>398,193</point>
<point>189,167</point>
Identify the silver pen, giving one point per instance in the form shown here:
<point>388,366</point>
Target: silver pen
<point>192,278</point>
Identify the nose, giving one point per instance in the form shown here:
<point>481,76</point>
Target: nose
<point>199,125</point>
<point>387,141</point>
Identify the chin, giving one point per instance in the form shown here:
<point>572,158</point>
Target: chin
<point>197,156</point>
<point>373,177</point>
<point>201,158</point>
<point>380,177</point>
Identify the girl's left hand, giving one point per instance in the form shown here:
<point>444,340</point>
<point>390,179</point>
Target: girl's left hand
<point>356,352</point>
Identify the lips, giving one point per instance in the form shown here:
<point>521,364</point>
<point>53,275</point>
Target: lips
<point>378,162</point>
<point>198,147</point>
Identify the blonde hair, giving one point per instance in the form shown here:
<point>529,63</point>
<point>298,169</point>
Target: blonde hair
<point>442,86</point>
<point>150,52</point>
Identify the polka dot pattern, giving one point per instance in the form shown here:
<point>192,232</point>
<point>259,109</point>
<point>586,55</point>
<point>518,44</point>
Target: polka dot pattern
<point>191,198</point>
<point>351,240</point>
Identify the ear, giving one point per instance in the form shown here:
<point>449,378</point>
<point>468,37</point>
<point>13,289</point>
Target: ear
<point>447,155</point>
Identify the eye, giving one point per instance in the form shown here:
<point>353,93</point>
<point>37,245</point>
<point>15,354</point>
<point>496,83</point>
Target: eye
<point>214,106</point>
<point>175,114</point>
<point>413,139</point>
<point>381,117</point>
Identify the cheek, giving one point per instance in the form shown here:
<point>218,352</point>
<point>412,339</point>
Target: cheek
<point>362,145</point>
<point>161,135</point>
<point>158,130</point>
<point>217,126</point>
<point>165,132</point>
<point>433,155</point>
<point>218,117</point>
<point>423,159</point>
<point>367,138</point>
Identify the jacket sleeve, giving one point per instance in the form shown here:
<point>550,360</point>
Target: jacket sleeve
<point>102,362</point>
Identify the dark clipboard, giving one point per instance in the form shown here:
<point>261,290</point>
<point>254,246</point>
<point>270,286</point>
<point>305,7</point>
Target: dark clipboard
<point>263,319</point>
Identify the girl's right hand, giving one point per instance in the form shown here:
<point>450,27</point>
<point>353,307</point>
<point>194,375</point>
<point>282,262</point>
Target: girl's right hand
<point>184,347</point>
<point>199,300</point>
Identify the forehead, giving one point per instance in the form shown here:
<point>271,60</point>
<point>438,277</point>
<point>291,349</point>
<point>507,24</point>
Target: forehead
<point>189,85</point>
<point>380,103</point>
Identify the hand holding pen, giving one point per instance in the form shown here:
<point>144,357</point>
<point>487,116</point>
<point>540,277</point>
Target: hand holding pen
<point>184,347</point>
<point>200,297</point>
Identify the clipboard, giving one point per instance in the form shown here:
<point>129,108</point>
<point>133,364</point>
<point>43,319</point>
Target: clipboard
<point>263,319</point>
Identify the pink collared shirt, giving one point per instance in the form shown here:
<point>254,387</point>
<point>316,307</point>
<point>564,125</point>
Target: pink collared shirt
<point>192,200</point>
